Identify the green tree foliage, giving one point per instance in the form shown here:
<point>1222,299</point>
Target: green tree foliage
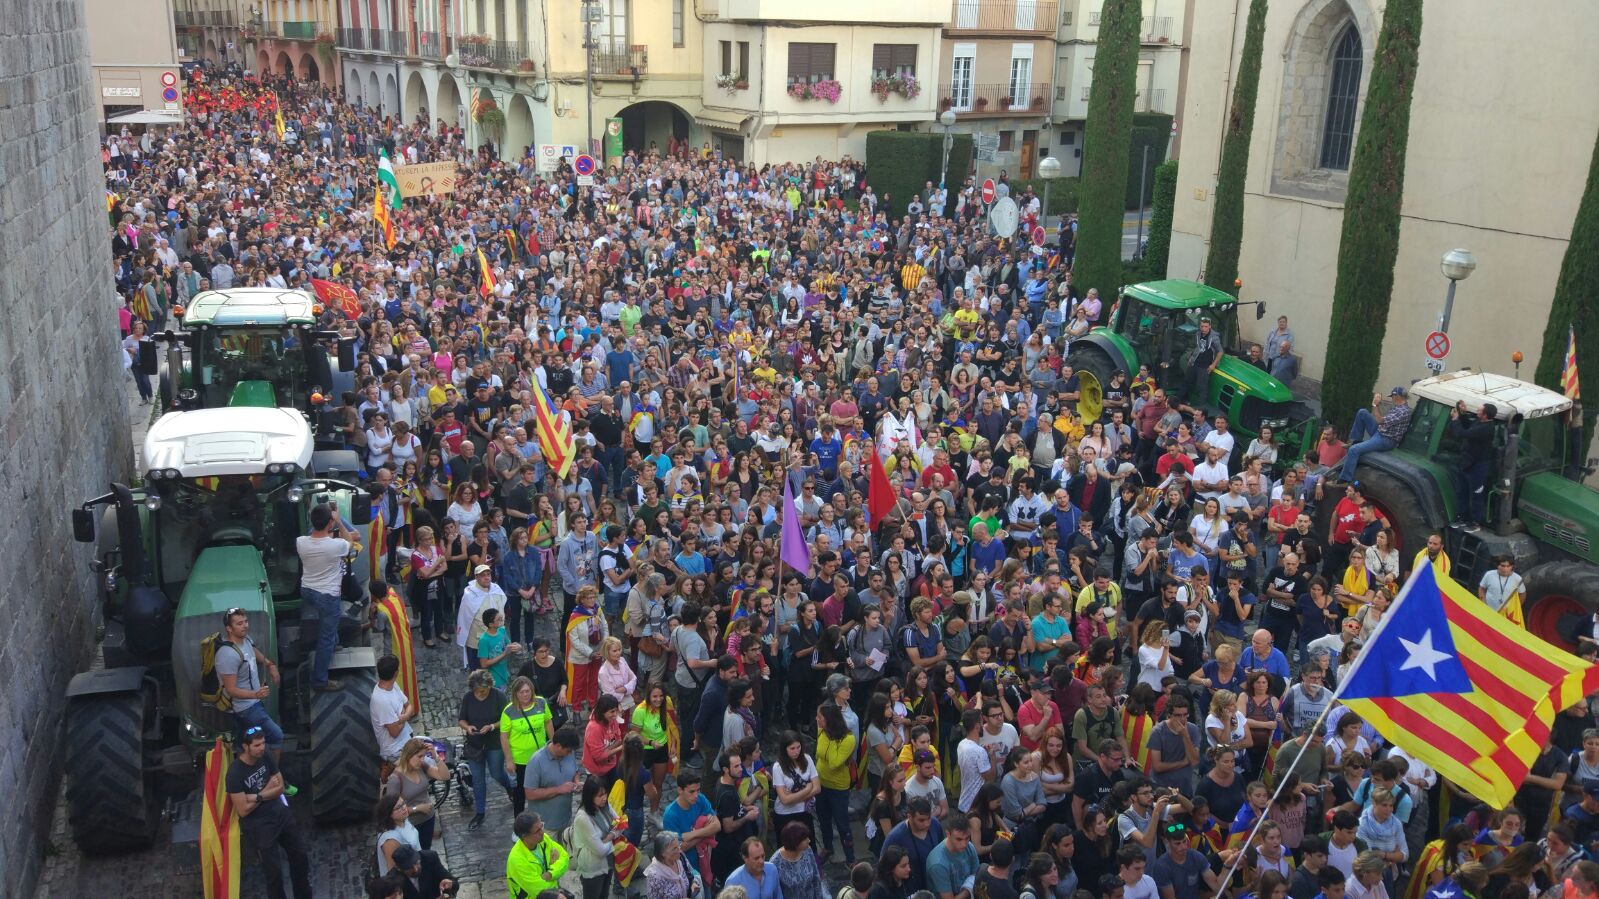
<point>1574,304</point>
<point>1153,265</point>
<point>1370,240</point>
<point>1103,195</point>
<point>1152,130</point>
<point>900,163</point>
<point>1227,219</point>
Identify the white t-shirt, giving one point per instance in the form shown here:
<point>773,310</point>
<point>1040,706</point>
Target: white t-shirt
<point>933,790</point>
<point>322,562</point>
<point>781,778</point>
<point>1497,589</point>
<point>1144,889</point>
<point>385,708</point>
<point>1007,737</point>
<point>973,761</point>
<point>1235,734</point>
<point>1150,669</point>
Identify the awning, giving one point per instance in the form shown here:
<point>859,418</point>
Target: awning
<point>148,117</point>
<point>726,120</point>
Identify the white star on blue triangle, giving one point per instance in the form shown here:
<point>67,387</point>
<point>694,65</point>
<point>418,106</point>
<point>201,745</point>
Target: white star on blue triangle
<point>1413,652</point>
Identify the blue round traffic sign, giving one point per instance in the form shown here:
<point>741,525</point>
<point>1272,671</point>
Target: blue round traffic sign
<point>583,165</point>
<point>170,94</point>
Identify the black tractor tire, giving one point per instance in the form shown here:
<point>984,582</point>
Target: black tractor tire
<point>1093,360</point>
<point>1396,500</point>
<point>110,799</point>
<point>164,392</point>
<point>1567,592</point>
<point>344,751</point>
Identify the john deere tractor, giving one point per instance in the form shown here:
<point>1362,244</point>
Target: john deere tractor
<point>1154,324</point>
<point>256,346</point>
<point>1547,521</point>
<point>213,526</point>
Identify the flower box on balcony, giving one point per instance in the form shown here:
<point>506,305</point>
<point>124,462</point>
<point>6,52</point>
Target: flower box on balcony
<point>827,89</point>
<point>525,65</point>
<point>732,83</point>
<point>1038,103</point>
<point>982,103</point>
<point>902,83</point>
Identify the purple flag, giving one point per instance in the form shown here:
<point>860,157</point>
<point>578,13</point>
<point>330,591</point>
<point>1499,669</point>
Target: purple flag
<point>796,553</point>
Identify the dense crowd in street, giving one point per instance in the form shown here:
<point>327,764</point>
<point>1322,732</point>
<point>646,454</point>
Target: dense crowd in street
<point>1073,657</point>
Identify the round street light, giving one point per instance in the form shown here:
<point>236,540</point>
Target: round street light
<point>1049,167</point>
<point>1458,264</point>
<point>947,118</point>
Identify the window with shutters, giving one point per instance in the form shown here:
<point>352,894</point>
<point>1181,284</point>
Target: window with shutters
<point>735,59</point>
<point>1006,141</point>
<point>744,60</point>
<point>962,63</point>
<point>677,22</point>
<point>809,63</point>
<point>893,59</point>
<point>727,58</point>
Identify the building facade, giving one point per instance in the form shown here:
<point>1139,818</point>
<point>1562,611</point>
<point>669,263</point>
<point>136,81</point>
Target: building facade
<point>210,30</point>
<point>133,52</point>
<point>1497,171</point>
<point>999,78</point>
<point>295,37</point>
<point>1162,60</point>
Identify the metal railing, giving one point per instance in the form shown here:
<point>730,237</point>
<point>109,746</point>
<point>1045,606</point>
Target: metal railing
<point>294,31</point>
<point>429,44</point>
<point>1155,29</point>
<point>352,38</point>
<point>1027,16</point>
<point>387,41</point>
<point>995,99</point>
<point>628,62</point>
<point>182,18</point>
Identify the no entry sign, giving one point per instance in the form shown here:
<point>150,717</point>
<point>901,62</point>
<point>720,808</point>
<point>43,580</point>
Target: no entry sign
<point>988,190</point>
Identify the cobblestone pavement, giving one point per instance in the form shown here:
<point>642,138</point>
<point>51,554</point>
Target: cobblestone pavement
<point>341,858</point>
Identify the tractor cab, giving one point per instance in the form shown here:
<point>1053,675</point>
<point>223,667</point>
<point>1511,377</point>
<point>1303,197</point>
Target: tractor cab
<point>1162,329</point>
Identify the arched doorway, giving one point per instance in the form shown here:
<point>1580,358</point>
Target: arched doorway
<point>284,66</point>
<point>416,97</point>
<point>309,70</point>
<point>652,122</point>
<point>518,127</point>
<point>374,99</point>
<point>352,88</point>
<point>391,96</point>
<point>211,50</point>
<point>447,101</point>
<point>263,63</point>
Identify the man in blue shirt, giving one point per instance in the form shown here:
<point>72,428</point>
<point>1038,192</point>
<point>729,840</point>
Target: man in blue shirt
<point>687,808</point>
<point>952,865</point>
<point>919,835</point>
<point>757,876</point>
<point>827,448</point>
<point>1050,632</point>
<point>1263,656</point>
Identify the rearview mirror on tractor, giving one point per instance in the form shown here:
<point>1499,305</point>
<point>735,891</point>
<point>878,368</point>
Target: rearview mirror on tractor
<point>1260,311</point>
<point>149,360</point>
<point>361,509</point>
<point>83,525</point>
<point>346,355</point>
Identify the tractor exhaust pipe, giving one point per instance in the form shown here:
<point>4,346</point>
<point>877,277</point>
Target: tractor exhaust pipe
<point>1507,475</point>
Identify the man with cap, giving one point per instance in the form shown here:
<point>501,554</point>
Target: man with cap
<point>1369,434</point>
<point>1181,873</point>
<point>482,593</point>
<point>425,876</point>
<point>1583,816</point>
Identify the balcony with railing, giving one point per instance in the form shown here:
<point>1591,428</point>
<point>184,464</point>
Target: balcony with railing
<point>352,38</point>
<point>293,31</point>
<point>1155,29</point>
<point>994,99</point>
<point>1002,17</point>
<point>429,45</point>
<point>616,61</point>
<point>184,19</point>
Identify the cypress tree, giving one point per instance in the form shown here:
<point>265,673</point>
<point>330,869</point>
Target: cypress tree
<point>1155,257</point>
<point>1573,305</point>
<point>1227,219</point>
<point>1108,135</point>
<point>1369,243</point>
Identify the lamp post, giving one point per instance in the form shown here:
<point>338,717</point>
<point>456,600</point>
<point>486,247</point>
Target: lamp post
<point>947,119</point>
<point>1457,266</point>
<point>1049,170</point>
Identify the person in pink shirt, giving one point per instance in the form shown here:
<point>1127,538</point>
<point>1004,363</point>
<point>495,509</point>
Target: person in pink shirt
<point>616,677</point>
<point>602,739</point>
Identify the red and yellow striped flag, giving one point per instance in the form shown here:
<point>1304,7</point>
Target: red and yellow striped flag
<point>510,241</point>
<point>219,830</point>
<point>380,214</point>
<point>1568,373</point>
<point>487,283</point>
<point>554,434</point>
<point>376,545</point>
<point>1462,688</point>
<point>1138,728</point>
<point>401,645</point>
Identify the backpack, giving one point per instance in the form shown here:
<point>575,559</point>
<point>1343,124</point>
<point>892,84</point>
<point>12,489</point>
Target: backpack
<point>211,692</point>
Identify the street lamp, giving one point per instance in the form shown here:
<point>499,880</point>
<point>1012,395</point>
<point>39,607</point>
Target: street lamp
<point>947,119</point>
<point>1049,170</point>
<point>1457,266</point>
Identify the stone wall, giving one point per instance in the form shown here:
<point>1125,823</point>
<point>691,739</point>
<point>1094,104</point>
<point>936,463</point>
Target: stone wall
<point>63,417</point>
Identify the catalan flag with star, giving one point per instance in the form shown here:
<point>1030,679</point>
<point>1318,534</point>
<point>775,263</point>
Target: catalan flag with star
<point>1460,687</point>
<point>486,283</point>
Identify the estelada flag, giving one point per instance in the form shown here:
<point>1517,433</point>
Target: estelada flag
<point>554,433</point>
<point>1138,728</point>
<point>380,214</point>
<point>487,284</point>
<point>401,645</point>
<point>338,295</point>
<point>1460,687</point>
<point>219,829</point>
<point>879,491</point>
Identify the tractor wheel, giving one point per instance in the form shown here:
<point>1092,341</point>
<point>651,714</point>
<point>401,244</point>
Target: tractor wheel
<point>164,391</point>
<point>1559,596</point>
<point>110,800</point>
<point>1396,502</point>
<point>343,750</point>
<point>1091,364</point>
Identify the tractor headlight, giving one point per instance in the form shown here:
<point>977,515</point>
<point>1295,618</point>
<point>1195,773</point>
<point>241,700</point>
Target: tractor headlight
<point>296,494</point>
<point>111,580</point>
<point>152,502</point>
<point>1275,424</point>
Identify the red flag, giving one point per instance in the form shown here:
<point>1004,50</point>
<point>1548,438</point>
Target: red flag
<point>337,294</point>
<point>879,492</point>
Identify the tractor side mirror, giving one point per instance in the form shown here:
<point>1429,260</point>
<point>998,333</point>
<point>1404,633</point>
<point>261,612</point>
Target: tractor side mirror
<point>149,358</point>
<point>361,509</point>
<point>83,525</point>
<point>347,355</point>
<point>1260,311</point>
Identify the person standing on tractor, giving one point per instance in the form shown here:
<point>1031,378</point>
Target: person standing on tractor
<point>322,558</point>
<point>1476,434</point>
<point>1368,434</point>
<point>1207,355</point>
<point>240,672</point>
<point>255,787</point>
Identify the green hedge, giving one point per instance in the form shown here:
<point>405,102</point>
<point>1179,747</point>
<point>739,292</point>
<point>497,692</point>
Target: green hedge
<point>1573,305</point>
<point>1106,143</point>
<point>1153,266</point>
<point>1152,130</point>
<point>1062,193</point>
<point>899,163</point>
<point>1227,217</point>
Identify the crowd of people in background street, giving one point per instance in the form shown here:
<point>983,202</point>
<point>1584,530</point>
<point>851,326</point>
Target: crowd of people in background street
<point>1077,657</point>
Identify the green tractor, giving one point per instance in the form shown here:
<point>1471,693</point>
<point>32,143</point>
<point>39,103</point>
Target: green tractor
<point>1154,324</point>
<point>256,346</point>
<point>1545,520</point>
<point>225,494</point>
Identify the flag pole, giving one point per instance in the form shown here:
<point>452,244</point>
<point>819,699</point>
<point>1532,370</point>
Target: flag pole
<point>1317,725</point>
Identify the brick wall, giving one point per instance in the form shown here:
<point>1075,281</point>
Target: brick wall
<point>63,417</point>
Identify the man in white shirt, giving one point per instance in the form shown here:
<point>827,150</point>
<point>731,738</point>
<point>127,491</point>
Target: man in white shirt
<point>391,711</point>
<point>321,576</point>
<point>1499,585</point>
<point>998,736</point>
<point>972,757</point>
<point>1210,476</point>
<point>1220,438</point>
<point>925,782</point>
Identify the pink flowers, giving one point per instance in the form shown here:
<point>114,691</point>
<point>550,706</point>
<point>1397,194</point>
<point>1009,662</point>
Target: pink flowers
<point>902,83</point>
<point>827,89</point>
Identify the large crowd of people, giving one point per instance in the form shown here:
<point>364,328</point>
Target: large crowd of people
<point>1078,657</point>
